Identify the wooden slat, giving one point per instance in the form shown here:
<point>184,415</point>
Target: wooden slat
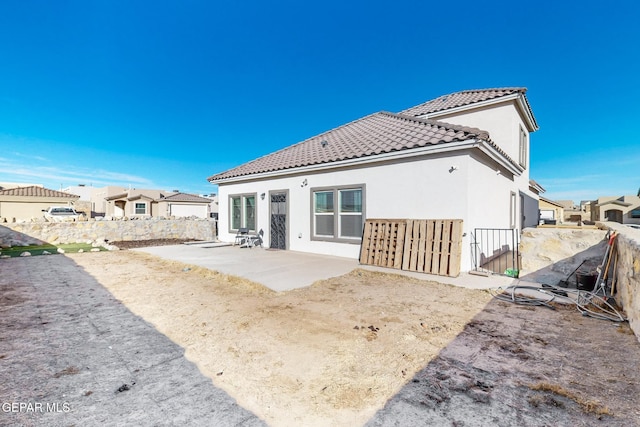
<point>428,255</point>
<point>415,240</point>
<point>446,244</point>
<point>406,253</point>
<point>366,242</point>
<point>393,237</point>
<point>437,239</point>
<point>456,248</point>
<point>378,242</point>
<point>386,244</point>
<point>397,261</point>
<point>422,245</point>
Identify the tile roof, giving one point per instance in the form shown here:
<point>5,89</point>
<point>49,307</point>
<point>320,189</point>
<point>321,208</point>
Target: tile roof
<point>377,133</point>
<point>459,99</point>
<point>137,194</point>
<point>36,191</point>
<point>184,197</point>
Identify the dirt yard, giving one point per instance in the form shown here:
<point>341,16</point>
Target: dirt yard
<point>383,349</point>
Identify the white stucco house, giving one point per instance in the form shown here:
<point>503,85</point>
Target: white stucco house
<point>184,205</point>
<point>460,156</point>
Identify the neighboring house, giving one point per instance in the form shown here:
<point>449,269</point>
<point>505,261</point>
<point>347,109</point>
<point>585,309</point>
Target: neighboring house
<point>625,209</point>
<point>135,202</point>
<point>550,211</point>
<point>460,156</point>
<point>25,203</point>
<point>184,205</point>
<point>141,203</point>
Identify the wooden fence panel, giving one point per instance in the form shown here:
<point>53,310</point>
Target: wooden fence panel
<point>428,246</point>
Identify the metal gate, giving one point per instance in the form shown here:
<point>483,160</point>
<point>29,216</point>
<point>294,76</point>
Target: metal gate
<point>495,250</point>
<point>278,234</point>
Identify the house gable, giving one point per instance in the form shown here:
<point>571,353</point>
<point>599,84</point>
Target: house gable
<point>504,113</point>
<point>466,100</point>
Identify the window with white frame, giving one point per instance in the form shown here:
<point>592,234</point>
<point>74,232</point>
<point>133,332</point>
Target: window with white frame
<point>337,213</point>
<point>523,147</point>
<point>512,210</point>
<point>242,211</point>
<point>140,208</point>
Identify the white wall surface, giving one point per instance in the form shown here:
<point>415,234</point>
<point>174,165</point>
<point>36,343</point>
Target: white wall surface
<point>502,121</point>
<point>188,210</point>
<point>443,187</point>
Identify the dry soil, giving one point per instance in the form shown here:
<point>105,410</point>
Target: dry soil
<point>383,349</point>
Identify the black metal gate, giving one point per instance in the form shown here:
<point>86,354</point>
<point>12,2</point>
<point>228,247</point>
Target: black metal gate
<point>495,250</point>
<point>278,237</point>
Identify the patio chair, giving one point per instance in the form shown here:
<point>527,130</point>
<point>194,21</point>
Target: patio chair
<point>241,236</point>
<point>250,240</point>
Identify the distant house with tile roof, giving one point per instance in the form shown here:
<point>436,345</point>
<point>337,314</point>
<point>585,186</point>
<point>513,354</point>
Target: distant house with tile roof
<point>185,205</point>
<point>141,203</point>
<point>25,203</point>
<point>460,156</point>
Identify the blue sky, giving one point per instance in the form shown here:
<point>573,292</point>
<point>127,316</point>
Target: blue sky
<point>159,94</point>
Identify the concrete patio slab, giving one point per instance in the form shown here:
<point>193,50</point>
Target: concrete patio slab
<point>277,270</point>
<point>287,270</point>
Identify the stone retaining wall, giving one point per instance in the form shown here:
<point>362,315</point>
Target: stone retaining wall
<point>550,255</point>
<point>627,273</point>
<point>20,234</point>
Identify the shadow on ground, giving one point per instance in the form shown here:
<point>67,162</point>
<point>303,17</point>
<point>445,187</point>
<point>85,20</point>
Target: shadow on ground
<point>71,354</point>
<point>526,366</point>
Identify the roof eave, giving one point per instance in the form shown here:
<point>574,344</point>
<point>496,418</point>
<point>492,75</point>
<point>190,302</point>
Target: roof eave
<point>539,188</point>
<point>491,151</point>
<point>401,154</point>
<point>551,202</point>
<point>525,108</point>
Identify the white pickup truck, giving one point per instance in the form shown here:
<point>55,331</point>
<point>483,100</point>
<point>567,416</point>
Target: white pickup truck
<point>61,213</point>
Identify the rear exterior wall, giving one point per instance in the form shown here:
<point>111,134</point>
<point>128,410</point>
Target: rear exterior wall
<point>436,187</point>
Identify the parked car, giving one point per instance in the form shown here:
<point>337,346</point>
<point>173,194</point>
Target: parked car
<point>61,213</point>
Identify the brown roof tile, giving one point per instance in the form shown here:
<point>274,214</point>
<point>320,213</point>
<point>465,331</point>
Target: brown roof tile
<point>35,191</point>
<point>184,197</point>
<point>377,133</point>
<point>459,99</point>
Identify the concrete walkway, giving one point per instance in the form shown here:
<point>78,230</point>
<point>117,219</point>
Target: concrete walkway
<point>71,354</point>
<point>287,270</point>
